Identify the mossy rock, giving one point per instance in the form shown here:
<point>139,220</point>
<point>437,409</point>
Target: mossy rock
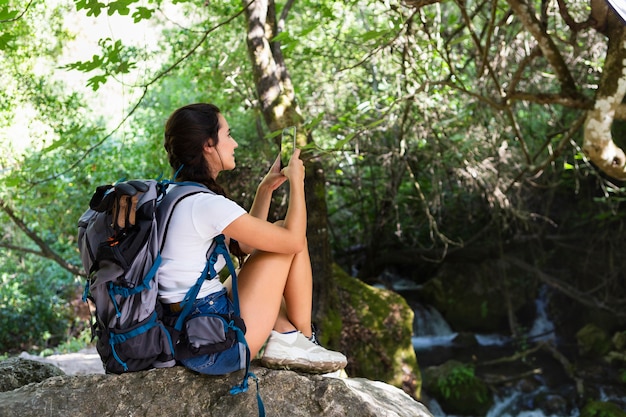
<point>593,341</point>
<point>619,341</point>
<point>602,409</point>
<point>377,326</point>
<point>470,296</point>
<point>457,389</point>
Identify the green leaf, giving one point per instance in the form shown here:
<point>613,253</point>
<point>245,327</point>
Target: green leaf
<point>6,14</point>
<point>95,82</point>
<point>142,13</point>
<point>5,40</point>
<point>373,34</point>
<point>57,143</point>
<point>86,66</point>
<point>343,141</point>
<point>282,37</point>
<point>120,6</point>
<point>93,7</point>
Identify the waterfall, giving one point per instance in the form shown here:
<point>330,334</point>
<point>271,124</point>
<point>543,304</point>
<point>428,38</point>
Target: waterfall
<point>543,328</point>
<point>430,329</point>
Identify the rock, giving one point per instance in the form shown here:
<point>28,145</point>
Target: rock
<point>86,361</point>
<point>180,392</point>
<point>17,372</point>
<point>376,329</point>
<point>593,341</point>
<point>457,389</point>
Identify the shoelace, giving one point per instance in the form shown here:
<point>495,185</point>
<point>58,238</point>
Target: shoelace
<point>313,337</point>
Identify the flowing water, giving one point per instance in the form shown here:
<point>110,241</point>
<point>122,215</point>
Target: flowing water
<point>435,342</point>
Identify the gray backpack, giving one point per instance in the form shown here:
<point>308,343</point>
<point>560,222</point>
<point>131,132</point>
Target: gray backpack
<point>120,238</point>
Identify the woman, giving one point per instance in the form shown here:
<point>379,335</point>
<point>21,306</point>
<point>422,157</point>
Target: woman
<point>275,282</point>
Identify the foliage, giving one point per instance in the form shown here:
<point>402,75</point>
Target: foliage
<point>33,307</point>
<point>457,377</point>
<point>457,388</point>
<point>601,409</point>
<point>431,123</point>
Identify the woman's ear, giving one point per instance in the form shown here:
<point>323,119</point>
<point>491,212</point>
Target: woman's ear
<point>209,146</point>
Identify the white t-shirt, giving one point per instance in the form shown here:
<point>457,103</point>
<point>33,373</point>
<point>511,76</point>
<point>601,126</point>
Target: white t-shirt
<point>195,221</point>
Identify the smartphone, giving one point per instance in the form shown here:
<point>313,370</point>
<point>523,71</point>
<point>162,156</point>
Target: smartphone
<point>287,145</point>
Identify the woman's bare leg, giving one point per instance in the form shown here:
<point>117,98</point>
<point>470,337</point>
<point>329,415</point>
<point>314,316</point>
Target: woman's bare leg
<point>298,294</point>
<point>275,293</point>
<point>261,284</point>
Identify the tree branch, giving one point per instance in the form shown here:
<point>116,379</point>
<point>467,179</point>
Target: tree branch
<point>549,50</point>
<point>45,250</point>
<point>564,288</point>
<point>598,142</point>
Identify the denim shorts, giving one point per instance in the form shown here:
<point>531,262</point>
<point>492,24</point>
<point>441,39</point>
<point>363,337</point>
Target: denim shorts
<point>220,363</point>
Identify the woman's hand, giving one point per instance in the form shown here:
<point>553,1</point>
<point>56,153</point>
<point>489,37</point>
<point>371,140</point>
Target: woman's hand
<point>295,170</point>
<point>274,178</point>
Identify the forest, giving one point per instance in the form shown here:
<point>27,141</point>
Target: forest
<point>469,150</point>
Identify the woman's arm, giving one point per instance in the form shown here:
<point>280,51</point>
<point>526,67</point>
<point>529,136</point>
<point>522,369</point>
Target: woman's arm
<point>254,232</point>
<point>263,198</point>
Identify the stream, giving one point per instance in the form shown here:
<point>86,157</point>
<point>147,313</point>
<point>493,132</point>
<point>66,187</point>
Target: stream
<point>536,386</point>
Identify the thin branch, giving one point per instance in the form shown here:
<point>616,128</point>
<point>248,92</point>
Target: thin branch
<point>550,51</point>
<point>45,250</point>
<point>434,229</point>
<point>564,287</point>
<point>375,50</point>
<point>145,88</point>
<point>567,18</point>
<point>18,17</point>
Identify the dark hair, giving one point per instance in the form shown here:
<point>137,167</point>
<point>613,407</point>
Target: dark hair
<point>187,130</point>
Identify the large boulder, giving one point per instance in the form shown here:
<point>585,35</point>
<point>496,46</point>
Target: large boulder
<point>376,330</point>
<point>180,392</point>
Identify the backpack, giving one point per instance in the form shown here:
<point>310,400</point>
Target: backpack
<point>120,241</point>
<point>120,238</point>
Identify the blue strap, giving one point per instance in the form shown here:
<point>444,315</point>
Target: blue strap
<point>117,338</point>
<point>145,284</point>
<point>117,358</point>
<point>209,272</point>
<point>221,249</point>
<point>126,292</point>
<point>187,304</point>
<point>190,298</point>
<point>243,387</point>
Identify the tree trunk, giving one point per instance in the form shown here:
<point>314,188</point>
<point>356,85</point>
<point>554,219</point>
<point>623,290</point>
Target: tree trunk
<point>598,142</point>
<point>280,109</point>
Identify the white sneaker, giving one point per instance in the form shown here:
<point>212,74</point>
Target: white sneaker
<point>295,351</point>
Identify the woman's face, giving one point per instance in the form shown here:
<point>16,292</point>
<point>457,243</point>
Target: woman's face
<point>222,156</point>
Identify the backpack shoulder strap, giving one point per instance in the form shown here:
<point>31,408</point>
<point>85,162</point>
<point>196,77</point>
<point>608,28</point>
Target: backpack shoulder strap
<point>170,200</point>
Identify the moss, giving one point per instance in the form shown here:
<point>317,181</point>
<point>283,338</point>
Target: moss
<point>457,389</point>
<point>376,334</point>
<point>593,341</point>
<point>602,409</point>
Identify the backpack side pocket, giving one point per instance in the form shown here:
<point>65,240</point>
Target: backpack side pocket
<point>135,348</point>
<point>206,333</point>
